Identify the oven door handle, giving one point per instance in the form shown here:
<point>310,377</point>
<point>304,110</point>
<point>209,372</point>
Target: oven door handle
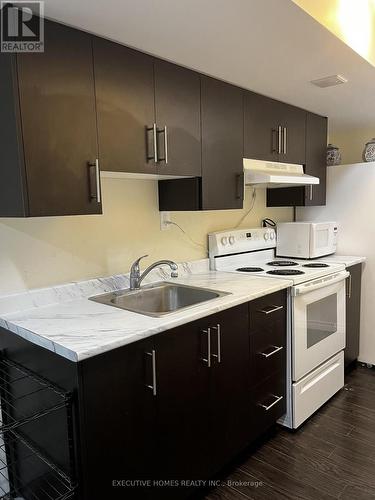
<point>319,283</point>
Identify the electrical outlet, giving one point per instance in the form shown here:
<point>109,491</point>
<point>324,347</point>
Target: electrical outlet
<point>165,217</point>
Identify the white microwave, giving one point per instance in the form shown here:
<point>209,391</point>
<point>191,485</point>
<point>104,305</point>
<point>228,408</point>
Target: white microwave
<point>306,240</point>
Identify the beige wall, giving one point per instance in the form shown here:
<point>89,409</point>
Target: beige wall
<point>353,21</point>
<point>45,251</point>
<point>351,142</point>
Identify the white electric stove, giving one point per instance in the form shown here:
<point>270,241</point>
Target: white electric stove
<point>316,316</point>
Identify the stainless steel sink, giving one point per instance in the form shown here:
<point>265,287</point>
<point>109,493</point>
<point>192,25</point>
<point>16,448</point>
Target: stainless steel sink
<point>158,299</point>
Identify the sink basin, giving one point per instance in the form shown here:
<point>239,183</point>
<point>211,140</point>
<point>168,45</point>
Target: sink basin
<point>158,299</point>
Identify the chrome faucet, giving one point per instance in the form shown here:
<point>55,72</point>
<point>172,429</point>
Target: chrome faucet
<point>135,274</point>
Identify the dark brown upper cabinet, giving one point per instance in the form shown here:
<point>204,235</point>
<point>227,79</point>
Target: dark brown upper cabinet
<point>148,113</point>
<point>48,136</point>
<point>124,80</point>
<point>293,122</point>
<point>262,128</point>
<point>316,158</point>
<point>177,110</point>
<point>222,145</point>
<point>221,185</point>
<point>315,164</point>
<point>273,131</point>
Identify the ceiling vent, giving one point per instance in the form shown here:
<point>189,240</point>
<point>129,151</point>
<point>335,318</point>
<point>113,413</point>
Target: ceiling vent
<point>329,81</point>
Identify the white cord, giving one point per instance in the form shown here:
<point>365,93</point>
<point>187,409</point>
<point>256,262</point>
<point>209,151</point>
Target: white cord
<point>186,234</point>
<point>254,196</point>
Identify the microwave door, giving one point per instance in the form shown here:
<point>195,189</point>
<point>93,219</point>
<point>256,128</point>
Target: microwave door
<point>322,240</point>
<point>318,322</point>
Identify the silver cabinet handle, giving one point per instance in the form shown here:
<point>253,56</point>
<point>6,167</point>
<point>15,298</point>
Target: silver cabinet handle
<point>97,194</point>
<point>154,131</point>
<point>97,175</point>
<point>311,192</point>
<point>166,144</point>
<point>279,140</point>
<point>218,355</point>
<point>165,132</point>
<point>285,141</point>
<point>155,136</point>
<point>153,357</point>
<point>208,359</point>
<point>277,400</point>
<point>269,354</point>
<point>350,287</point>
<point>272,310</point>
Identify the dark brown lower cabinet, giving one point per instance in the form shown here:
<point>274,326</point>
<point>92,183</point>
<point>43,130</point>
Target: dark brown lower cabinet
<point>120,422</point>
<point>353,313</point>
<point>175,407</point>
<point>268,317</point>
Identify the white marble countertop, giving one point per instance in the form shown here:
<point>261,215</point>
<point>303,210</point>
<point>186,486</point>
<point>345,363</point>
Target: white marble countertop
<point>63,320</point>
<point>348,260</point>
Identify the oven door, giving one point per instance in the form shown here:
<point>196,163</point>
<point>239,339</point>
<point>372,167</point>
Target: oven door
<point>318,325</point>
<point>323,238</point>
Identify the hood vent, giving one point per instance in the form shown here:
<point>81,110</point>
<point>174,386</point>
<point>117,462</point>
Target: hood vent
<point>265,174</point>
<point>329,81</point>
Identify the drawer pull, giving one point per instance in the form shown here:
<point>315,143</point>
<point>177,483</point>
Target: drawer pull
<point>269,354</point>
<point>208,359</point>
<point>218,355</point>
<point>277,400</point>
<point>270,309</point>
<point>153,385</point>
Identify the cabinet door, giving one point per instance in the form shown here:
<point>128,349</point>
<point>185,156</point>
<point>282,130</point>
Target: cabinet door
<point>119,420</point>
<point>222,145</point>
<point>262,119</point>
<point>230,384</point>
<point>57,100</point>
<point>177,105</point>
<point>316,164</point>
<point>182,404</point>
<point>125,106</point>
<point>293,122</point>
<point>353,313</point>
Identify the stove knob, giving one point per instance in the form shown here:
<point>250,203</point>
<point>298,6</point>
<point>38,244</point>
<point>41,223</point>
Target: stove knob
<point>231,240</point>
<point>224,240</point>
<point>266,236</point>
<point>272,235</point>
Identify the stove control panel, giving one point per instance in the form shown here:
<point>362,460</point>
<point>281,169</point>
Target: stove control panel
<point>241,240</point>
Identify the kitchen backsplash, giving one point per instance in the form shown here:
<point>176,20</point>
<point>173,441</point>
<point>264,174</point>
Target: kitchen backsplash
<point>41,252</point>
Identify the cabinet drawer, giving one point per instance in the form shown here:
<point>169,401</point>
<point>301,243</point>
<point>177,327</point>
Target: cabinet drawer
<point>269,402</point>
<point>268,311</point>
<point>269,351</point>
<point>317,387</point>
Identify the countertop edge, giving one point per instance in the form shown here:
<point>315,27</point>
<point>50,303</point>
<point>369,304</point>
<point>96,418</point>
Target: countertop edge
<point>195,313</point>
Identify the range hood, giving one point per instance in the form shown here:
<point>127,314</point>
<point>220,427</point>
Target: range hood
<point>266,174</point>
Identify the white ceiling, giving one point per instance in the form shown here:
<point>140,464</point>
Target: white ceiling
<point>270,46</point>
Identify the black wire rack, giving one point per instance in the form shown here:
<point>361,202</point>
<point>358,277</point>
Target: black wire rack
<point>26,471</point>
<point>34,476</point>
<point>26,396</point>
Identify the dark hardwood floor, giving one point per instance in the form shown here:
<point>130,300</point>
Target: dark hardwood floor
<point>331,456</point>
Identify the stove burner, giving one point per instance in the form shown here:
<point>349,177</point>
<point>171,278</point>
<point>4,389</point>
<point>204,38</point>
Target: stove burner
<point>249,269</point>
<point>282,263</point>
<point>316,264</point>
<point>285,272</point>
